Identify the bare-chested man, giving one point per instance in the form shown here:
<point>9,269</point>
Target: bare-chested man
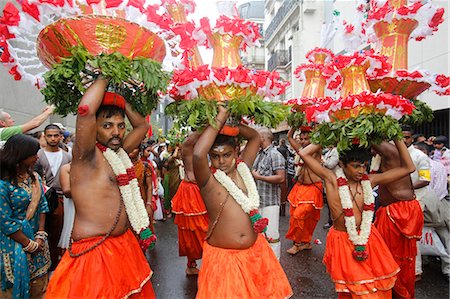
<point>399,220</point>
<point>356,256</point>
<point>237,261</point>
<point>105,259</point>
<point>305,198</point>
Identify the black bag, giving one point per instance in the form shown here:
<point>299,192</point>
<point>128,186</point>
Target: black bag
<point>52,199</point>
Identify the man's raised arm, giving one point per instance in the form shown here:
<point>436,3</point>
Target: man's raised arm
<point>140,128</point>
<point>86,128</point>
<point>38,120</point>
<point>307,155</point>
<point>292,142</point>
<point>253,144</point>
<point>204,144</point>
<point>406,167</point>
<point>187,150</point>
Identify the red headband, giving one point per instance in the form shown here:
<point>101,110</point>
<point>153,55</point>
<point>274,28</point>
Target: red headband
<point>113,99</point>
<point>305,129</point>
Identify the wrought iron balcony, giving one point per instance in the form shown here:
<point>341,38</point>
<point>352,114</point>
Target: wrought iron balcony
<point>281,14</point>
<point>280,58</point>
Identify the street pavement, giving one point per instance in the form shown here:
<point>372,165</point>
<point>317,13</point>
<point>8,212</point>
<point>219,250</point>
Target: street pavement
<point>305,270</point>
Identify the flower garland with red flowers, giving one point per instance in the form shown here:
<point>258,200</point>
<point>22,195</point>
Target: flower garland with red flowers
<point>250,203</point>
<point>367,117</point>
<point>129,189</point>
<point>185,82</point>
<point>360,239</point>
<point>429,17</point>
<point>442,85</point>
<point>328,54</point>
<point>248,30</point>
<point>366,102</point>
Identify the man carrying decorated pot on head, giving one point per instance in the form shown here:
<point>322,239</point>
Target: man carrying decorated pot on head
<point>104,258</point>
<point>237,260</point>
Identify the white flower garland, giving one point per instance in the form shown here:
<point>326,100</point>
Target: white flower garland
<point>367,215</point>
<point>247,203</point>
<point>134,205</point>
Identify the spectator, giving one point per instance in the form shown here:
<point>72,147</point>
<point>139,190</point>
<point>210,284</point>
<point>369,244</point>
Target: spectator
<point>8,129</point>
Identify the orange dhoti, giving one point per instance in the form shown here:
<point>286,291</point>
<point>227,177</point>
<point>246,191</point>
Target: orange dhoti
<point>247,273</point>
<point>191,218</point>
<point>306,202</point>
<point>400,224</point>
<point>372,278</point>
<point>115,269</point>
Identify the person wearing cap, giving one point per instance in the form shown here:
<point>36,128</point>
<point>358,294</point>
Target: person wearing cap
<point>8,129</point>
<point>104,258</point>
<point>441,152</point>
<point>237,259</point>
<point>305,198</point>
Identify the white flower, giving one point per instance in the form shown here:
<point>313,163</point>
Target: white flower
<point>248,203</point>
<point>134,205</point>
<point>367,216</point>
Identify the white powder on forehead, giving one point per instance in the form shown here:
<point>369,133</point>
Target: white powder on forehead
<point>219,148</point>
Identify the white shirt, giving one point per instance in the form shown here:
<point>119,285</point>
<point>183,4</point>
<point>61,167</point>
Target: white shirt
<point>422,172</point>
<point>438,179</point>
<point>54,159</point>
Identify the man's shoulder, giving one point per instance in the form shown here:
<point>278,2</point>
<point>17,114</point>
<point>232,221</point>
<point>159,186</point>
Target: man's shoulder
<point>7,132</point>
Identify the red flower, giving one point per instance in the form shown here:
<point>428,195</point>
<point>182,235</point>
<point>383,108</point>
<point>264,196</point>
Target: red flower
<point>253,212</point>
<point>139,4</point>
<point>131,173</point>
<point>221,73</point>
<point>442,81</point>
<point>31,9</point>
<point>13,71</point>
<point>122,179</point>
<point>436,19</point>
<point>240,75</point>
<point>370,207</point>
<point>365,177</point>
<point>348,212</point>
<point>11,15</point>
<point>260,225</point>
<point>342,182</point>
<point>349,28</point>
<point>83,110</point>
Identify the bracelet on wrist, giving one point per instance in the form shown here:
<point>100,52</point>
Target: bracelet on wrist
<point>41,233</point>
<point>31,247</point>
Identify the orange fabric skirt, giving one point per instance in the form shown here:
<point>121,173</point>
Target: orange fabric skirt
<point>302,223</point>
<point>191,219</point>
<point>400,224</point>
<point>301,194</point>
<point>360,279</point>
<point>306,202</point>
<point>189,208</point>
<point>115,269</point>
<point>248,273</point>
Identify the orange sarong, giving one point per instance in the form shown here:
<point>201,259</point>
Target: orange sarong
<point>400,224</point>
<point>191,218</point>
<point>306,202</point>
<point>372,278</point>
<point>115,269</point>
<point>247,273</point>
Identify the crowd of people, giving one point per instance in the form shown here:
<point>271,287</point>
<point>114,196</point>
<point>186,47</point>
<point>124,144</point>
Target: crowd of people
<point>82,207</point>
